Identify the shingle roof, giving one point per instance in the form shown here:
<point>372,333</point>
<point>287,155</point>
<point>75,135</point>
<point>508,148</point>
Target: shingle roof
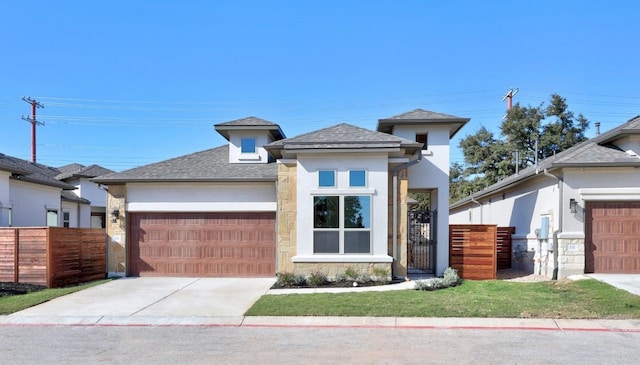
<point>250,123</point>
<point>342,136</point>
<point>596,151</point>
<point>78,170</point>
<point>208,165</point>
<point>31,172</point>
<point>71,197</point>
<point>421,116</point>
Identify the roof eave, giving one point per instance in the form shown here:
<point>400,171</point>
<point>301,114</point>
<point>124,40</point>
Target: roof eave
<point>178,180</point>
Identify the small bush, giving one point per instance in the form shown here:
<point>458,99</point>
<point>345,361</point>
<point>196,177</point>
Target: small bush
<point>364,278</point>
<point>450,278</point>
<point>317,278</point>
<point>381,275</point>
<point>341,278</point>
<point>284,278</point>
<point>351,274</point>
<point>300,280</point>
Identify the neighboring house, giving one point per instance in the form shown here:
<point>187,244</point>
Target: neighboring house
<point>576,212</point>
<point>32,194</point>
<point>94,214</point>
<point>327,200</point>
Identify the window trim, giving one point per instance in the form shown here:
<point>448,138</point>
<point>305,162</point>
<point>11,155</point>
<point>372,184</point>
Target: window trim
<point>366,178</point>
<point>255,145</point>
<point>66,219</point>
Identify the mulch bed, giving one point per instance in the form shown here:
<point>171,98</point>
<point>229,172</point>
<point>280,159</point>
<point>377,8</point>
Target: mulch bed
<point>334,284</point>
<point>8,289</point>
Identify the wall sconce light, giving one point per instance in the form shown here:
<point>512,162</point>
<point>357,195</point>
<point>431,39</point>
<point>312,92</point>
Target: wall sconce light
<point>114,215</point>
<point>573,206</point>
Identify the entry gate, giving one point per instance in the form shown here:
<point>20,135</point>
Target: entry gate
<point>421,242</point>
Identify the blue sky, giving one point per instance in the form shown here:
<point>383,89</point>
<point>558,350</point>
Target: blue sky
<point>126,83</point>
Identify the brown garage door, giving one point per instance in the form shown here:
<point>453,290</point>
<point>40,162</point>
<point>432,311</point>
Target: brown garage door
<point>612,231</point>
<point>202,244</point>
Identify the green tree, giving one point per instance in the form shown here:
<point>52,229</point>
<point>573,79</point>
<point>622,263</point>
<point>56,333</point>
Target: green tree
<point>525,131</point>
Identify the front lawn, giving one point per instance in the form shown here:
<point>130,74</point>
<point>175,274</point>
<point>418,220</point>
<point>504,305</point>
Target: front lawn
<point>15,303</point>
<point>494,298</point>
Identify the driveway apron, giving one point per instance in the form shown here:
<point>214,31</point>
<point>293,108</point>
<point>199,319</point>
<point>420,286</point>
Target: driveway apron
<point>158,297</point>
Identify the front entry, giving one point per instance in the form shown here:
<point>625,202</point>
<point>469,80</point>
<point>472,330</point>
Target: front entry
<point>421,242</point>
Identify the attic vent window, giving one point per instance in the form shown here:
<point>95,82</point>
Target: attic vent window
<point>248,145</point>
<point>422,138</point>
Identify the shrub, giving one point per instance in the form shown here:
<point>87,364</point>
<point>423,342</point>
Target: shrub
<point>381,275</point>
<point>351,274</point>
<point>341,278</point>
<point>300,280</point>
<point>284,278</point>
<point>450,278</point>
<point>317,278</point>
<point>364,278</point>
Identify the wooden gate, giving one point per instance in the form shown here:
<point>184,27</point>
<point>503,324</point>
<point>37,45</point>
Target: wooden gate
<point>472,250</point>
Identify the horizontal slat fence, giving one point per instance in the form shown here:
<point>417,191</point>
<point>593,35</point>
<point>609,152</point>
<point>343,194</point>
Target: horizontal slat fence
<point>472,250</point>
<point>52,256</point>
<point>503,247</point>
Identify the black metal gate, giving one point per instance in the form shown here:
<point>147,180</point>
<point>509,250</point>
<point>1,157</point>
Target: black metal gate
<point>421,242</point>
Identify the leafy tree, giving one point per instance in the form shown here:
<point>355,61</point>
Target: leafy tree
<point>525,130</point>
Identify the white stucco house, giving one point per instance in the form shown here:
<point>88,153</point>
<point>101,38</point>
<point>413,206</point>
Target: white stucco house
<point>36,195</point>
<point>327,200</point>
<point>576,212</point>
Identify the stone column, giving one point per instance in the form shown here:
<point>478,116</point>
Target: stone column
<point>286,217</point>
<point>117,230</point>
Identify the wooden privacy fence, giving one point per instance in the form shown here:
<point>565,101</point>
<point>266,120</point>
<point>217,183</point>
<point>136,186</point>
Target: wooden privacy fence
<point>503,246</point>
<point>52,256</point>
<point>472,250</point>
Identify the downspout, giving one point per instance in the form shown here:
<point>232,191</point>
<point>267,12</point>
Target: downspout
<point>560,227</point>
<point>480,204</point>
<point>396,170</point>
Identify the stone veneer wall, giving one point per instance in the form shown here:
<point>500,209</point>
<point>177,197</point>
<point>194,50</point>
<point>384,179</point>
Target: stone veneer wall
<point>286,217</point>
<point>116,231</point>
<point>331,269</point>
<point>571,254</point>
<point>400,265</point>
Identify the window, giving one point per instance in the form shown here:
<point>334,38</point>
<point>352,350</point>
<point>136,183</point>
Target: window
<point>65,219</point>
<point>422,138</point>
<point>52,218</point>
<point>341,224</point>
<point>326,178</point>
<point>248,145</point>
<point>357,178</point>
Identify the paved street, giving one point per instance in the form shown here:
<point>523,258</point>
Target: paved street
<point>306,345</point>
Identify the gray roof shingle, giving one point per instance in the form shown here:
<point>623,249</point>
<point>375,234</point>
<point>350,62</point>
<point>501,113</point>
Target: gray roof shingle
<point>32,172</point>
<point>250,123</point>
<point>78,170</point>
<point>593,152</point>
<point>209,165</point>
<point>421,116</point>
<point>342,136</point>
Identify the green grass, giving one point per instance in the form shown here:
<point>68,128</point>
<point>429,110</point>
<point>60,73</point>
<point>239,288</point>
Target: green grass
<point>500,299</point>
<point>17,303</point>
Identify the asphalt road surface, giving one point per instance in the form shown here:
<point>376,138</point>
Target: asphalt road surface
<point>284,345</point>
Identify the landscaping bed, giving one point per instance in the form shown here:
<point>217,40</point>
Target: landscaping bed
<point>9,289</point>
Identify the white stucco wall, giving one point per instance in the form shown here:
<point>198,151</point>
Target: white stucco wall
<point>31,201</point>
<point>90,191</point>
<point>201,197</point>
<point>261,156</point>
<point>432,173</point>
<point>376,166</point>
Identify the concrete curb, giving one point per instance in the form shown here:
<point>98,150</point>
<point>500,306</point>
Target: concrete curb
<point>597,325</point>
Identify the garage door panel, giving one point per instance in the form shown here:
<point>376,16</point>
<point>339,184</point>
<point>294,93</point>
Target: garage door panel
<point>612,237</point>
<point>203,244</point>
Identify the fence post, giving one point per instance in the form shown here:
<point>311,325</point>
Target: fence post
<point>16,251</point>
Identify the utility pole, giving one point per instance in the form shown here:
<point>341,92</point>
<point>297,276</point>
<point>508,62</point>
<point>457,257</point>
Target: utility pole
<point>34,122</point>
<point>509,96</point>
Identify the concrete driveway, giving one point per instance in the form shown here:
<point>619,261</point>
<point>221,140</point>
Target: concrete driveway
<point>628,282</point>
<point>155,300</point>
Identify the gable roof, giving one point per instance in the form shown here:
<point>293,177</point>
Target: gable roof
<point>421,116</point>
<point>28,171</point>
<point>342,136</point>
<point>71,197</point>
<point>209,165</point>
<point>78,170</point>
<point>250,123</point>
<point>594,152</point>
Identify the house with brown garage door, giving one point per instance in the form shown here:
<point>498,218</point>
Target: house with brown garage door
<point>575,212</point>
<point>327,200</point>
